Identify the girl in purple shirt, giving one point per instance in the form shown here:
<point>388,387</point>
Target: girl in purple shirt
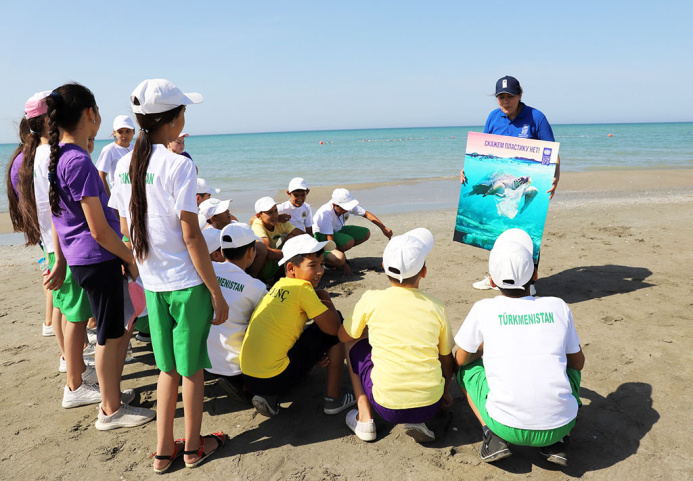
<point>88,235</point>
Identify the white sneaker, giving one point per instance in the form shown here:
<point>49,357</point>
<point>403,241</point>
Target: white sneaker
<point>483,284</point>
<point>364,431</point>
<point>125,417</point>
<point>91,335</point>
<point>532,290</point>
<point>89,375</point>
<point>47,331</point>
<point>128,355</point>
<point>83,395</point>
<point>62,365</point>
<point>419,432</point>
<point>89,351</point>
<point>127,396</point>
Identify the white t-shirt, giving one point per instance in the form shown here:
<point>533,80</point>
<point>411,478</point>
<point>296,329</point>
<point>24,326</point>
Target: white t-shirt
<point>171,185</point>
<point>109,157</point>
<point>525,345</point>
<point>242,294</point>
<point>41,191</point>
<point>326,221</point>
<point>301,217</point>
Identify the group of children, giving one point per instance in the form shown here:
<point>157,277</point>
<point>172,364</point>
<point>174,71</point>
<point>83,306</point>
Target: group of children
<point>242,301</point>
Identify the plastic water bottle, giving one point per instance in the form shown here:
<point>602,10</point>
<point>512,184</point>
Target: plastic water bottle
<point>43,265</point>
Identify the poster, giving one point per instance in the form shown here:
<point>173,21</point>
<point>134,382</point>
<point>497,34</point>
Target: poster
<point>507,180</point>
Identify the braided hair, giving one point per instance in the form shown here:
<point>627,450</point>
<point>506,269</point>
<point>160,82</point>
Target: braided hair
<point>65,107</point>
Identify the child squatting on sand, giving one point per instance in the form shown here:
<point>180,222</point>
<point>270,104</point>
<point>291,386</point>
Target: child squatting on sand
<point>277,351</point>
<point>399,346</point>
<point>520,359</point>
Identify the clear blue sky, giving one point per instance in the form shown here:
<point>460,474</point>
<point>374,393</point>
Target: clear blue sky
<point>277,66</point>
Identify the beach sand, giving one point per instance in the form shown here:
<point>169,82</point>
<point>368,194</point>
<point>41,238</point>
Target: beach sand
<point>614,248</point>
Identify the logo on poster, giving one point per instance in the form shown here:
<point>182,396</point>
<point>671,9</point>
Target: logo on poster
<point>546,156</point>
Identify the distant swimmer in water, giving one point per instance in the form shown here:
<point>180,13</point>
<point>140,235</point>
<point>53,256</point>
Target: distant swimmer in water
<point>508,190</point>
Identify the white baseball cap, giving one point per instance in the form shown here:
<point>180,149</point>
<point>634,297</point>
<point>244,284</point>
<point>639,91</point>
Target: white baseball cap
<point>264,204</point>
<point>304,244</point>
<point>405,255</point>
<point>343,198</point>
<point>237,234</point>
<point>184,134</point>
<point>519,236</point>
<point>212,238</point>
<point>159,95</point>
<point>297,183</point>
<point>202,221</point>
<point>510,265</point>
<point>204,188</point>
<point>123,122</point>
<point>213,206</point>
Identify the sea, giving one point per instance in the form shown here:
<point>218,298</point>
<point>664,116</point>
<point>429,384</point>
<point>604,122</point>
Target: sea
<point>250,166</point>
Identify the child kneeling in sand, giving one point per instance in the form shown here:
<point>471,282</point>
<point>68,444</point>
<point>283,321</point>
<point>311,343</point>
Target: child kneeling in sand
<point>232,251</point>
<point>399,346</point>
<point>525,388</point>
<point>330,219</point>
<point>277,351</point>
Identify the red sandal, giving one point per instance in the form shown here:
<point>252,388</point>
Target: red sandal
<point>177,453</point>
<point>221,440</point>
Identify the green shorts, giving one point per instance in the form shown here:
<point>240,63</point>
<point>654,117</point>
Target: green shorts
<point>345,234</point>
<point>142,324</point>
<point>70,298</point>
<point>472,378</point>
<point>179,323</point>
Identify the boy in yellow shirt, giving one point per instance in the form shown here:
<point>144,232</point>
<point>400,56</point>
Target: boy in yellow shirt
<point>277,351</point>
<point>399,346</point>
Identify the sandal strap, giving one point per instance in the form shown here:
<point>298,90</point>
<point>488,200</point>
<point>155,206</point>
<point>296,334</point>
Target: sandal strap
<point>199,451</point>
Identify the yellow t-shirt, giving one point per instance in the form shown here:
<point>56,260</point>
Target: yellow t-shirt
<point>276,325</point>
<point>281,229</point>
<point>407,330</point>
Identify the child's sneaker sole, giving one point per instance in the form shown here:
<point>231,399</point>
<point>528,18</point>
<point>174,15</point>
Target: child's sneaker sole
<point>263,406</point>
<point>419,432</point>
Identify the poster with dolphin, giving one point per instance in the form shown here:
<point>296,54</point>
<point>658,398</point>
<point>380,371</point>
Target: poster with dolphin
<point>507,180</point>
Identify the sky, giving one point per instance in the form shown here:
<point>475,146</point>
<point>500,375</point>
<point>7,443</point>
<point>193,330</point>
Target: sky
<point>268,66</point>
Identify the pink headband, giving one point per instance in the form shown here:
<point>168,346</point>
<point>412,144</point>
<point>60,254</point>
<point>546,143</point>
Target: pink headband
<point>36,105</point>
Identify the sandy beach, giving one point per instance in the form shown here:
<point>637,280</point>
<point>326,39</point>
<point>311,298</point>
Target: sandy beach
<point>614,248</point>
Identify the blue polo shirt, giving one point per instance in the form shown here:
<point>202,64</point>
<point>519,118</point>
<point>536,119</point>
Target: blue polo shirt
<point>530,124</point>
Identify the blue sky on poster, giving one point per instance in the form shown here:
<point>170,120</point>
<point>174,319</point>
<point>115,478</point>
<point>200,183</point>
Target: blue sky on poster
<point>283,66</point>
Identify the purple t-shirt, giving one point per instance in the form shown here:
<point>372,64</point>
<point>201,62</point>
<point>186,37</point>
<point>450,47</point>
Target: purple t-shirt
<point>78,178</point>
<point>14,172</point>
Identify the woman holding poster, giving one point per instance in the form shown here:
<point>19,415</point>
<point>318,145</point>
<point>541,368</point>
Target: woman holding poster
<point>515,119</point>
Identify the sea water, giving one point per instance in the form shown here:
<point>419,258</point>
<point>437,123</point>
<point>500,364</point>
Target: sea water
<point>249,166</point>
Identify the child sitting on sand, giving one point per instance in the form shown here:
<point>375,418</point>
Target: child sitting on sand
<point>277,351</point>
<point>301,216</point>
<point>330,219</point>
<point>399,346</point>
<point>232,251</point>
<point>204,191</point>
<point>215,213</point>
<point>520,359</point>
<point>123,132</point>
<point>273,233</point>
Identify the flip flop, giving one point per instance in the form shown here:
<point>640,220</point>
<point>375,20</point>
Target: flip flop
<point>221,440</point>
<point>177,453</point>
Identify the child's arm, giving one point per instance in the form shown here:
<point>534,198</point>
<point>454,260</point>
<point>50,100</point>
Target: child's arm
<point>55,279</point>
<point>387,232</point>
<point>576,360</point>
<point>328,321</point>
<point>309,230</point>
<point>197,248</point>
<point>463,357</point>
<point>447,364</point>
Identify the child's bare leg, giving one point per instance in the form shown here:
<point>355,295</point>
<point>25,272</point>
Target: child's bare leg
<point>335,258</point>
<point>57,323</point>
<point>49,306</point>
<point>108,371</point>
<point>74,345</point>
<point>334,370</point>
<point>347,246</point>
<point>368,236</point>
<point>193,404</point>
<point>259,262</point>
<point>473,406</point>
<point>123,350</point>
<point>362,403</point>
<point>167,397</point>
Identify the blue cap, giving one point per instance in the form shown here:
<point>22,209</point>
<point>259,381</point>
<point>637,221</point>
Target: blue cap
<point>508,85</point>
